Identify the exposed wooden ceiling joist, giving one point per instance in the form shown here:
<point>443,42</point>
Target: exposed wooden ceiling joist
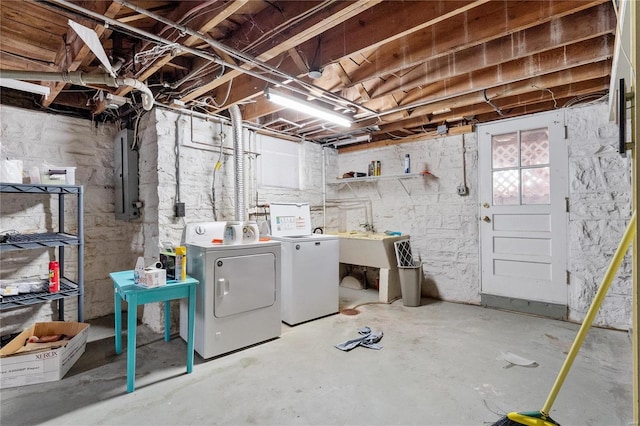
<point>394,63</point>
<point>302,35</point>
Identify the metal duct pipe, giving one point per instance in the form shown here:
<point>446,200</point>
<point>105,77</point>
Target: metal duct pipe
<point>80,78</point>
<point>238,157</point>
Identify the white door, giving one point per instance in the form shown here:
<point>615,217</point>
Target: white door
<point>244,283</point>
<point>315,280</point>
<point>523,189</point>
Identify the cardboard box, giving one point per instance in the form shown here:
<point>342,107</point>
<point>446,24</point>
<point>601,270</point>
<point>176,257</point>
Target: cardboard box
<point>44,363</point>
<point>152,277</point>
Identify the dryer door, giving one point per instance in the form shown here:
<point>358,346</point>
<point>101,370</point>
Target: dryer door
<point>244,283</point>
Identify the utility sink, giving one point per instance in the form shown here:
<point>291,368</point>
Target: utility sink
<point>363,235</point>
<point>375,250</point>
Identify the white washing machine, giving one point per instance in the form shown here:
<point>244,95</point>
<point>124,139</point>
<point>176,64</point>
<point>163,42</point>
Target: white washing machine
<point>238,298</point>
<point>310,265</point>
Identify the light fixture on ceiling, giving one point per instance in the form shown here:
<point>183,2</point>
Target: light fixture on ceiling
<point>315,73</point>
<point>441,111</point>
<point>306,107</point>
<point>25,87</point>
<point>351,140</point>
<point>115,101</point>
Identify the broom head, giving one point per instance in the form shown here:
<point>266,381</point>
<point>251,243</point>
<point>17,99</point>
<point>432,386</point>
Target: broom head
<point>528,418</point>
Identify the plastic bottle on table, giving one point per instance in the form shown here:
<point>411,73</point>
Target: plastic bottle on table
<point>182,252</point>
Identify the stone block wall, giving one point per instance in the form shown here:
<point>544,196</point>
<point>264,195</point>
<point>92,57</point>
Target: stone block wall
<point>442,224</point>
<point>599,208</point>
<point>167,152</point>
<point>196,168</point>
<point>38,138</point>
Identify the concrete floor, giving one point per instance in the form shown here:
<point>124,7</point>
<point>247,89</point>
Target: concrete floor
<point>438,366</point>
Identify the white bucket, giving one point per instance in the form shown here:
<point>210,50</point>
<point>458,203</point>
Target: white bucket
<point>11,171</point>
<point>250,232</point>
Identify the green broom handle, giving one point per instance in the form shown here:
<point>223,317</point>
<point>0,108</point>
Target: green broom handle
<point>593,310</point>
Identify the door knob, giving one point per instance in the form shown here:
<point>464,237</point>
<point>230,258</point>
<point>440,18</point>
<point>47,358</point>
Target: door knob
<point>486,219</point>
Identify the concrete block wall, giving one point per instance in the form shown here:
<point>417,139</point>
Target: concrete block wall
<point>37,138</point>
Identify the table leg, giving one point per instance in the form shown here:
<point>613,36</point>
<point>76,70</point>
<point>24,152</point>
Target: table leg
<point>118,315</point>
<point>190,327</point>
<point>167,320</point>
<point>132,319</point>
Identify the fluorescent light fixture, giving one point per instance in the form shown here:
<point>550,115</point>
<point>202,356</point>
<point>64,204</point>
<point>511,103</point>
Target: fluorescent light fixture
<point>115,101</point>
<point>25,87</point>
<point>441,111</point>
<point>453,119</point>
<point>306,107</point>
<point>351,140</point>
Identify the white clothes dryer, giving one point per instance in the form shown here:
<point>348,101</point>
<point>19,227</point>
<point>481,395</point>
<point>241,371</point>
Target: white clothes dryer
<point>238,298</point>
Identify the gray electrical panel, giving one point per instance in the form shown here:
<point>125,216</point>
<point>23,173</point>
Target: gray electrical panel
<point>126,177</point>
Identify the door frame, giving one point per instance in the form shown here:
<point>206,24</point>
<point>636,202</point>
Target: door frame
<point>545,308</point>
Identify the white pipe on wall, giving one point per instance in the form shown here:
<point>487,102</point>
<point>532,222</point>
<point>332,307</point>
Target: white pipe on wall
<point>82,79</point>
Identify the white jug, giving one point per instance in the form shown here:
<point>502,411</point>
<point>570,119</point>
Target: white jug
<point>250,232</point>
<point>233,233</point>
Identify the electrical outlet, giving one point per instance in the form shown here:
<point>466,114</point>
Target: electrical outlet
<point>462,189</point>
<point>179,210</point>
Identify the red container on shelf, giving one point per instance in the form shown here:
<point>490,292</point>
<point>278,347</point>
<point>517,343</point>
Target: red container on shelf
<point>54,277</point>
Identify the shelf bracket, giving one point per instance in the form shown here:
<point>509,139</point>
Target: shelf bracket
<point>404,187</point>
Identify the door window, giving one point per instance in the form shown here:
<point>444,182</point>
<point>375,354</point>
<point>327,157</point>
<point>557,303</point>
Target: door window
<point>520,167</point>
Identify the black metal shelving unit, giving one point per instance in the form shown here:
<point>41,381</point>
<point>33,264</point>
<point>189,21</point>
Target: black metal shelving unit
<point>59,240</point>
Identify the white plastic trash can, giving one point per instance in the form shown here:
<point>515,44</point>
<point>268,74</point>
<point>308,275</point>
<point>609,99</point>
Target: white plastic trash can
<point>410,284</point>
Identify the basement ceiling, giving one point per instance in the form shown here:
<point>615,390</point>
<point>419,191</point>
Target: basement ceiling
<point>399,70</point>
